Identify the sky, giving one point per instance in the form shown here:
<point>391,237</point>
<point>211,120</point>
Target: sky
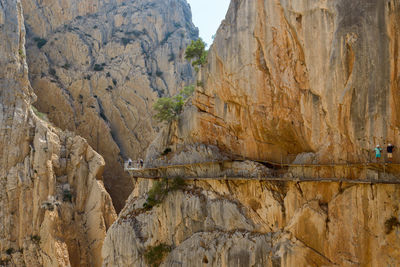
<point>207,16</point>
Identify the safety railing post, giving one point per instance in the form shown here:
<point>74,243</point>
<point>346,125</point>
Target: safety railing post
<point>365,171</point>
<point>384,170</point>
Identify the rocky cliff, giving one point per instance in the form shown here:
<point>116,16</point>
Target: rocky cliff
<point>289,77</point>
<point>258,223</point>
<point>304,81</point>
<point>98,66</point>
<point>54,208</point>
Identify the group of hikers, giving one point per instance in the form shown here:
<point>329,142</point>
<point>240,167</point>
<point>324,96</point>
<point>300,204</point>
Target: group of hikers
<point>378,155</point>
<point>389,150</point>
<point>139,163</point>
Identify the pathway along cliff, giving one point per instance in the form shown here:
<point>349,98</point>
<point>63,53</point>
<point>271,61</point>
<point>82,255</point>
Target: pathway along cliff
<point>317,79</point>
<point>98,66</point>
<point>373,173</point>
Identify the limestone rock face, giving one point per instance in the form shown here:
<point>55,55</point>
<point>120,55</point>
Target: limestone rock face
<point>258,223</point>
<point>98,66</point>
<point>54,209</point>
<point>305,81</point>
<point>289,77</point>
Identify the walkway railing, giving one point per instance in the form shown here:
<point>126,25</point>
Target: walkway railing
<point>366,172</point>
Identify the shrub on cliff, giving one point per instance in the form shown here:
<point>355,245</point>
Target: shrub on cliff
<point>160,190</point>
<point>40,42</point>
<point>168,108</point>
<point>197,53</point>
<point>390,224</point>
<point>98,67</point>
<point>155,255</point>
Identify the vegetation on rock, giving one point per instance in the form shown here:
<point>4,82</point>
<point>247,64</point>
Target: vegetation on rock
<point>67,195</point>
<point>160,190</point>
<point>155,255</point>
<point>40,42</point>
<point>168,108</point>
<point>10,251</point>
<point>196,53</point>
<point>98,67</point>
<point>41,115</point>
<point>35,239</point>
<point>390,224</point>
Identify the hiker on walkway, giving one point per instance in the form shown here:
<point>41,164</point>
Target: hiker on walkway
<point>129,162</point>
<point>378,151</point>
<point>389,149</point>
<point>141,163</point>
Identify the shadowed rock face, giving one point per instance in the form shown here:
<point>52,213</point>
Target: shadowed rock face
<point>54,210</point>
<point>97,67</point>
<point>288,77</point>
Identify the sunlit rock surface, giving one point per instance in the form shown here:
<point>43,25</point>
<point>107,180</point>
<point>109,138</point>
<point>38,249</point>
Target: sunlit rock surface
<point>286,81</point>
<point>253,223</point>
<point>54,209</point>
<point>290,77</point>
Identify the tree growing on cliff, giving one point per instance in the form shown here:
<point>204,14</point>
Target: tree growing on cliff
<point>168,108</point>
<point>196,53</point>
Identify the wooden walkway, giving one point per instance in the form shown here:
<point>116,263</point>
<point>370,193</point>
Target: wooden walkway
<point>162,172</point>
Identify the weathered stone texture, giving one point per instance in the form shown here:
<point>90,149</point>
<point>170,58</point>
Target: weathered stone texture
<point>54,210</point>
<point>258,223</point>
<point>102,68</point>
<point>289,77</point>
<point>315,79</point>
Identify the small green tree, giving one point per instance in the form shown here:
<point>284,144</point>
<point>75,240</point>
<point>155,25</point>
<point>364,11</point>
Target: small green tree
<point>168,108</point>
<point>187,91</point>
<point>197,53</point>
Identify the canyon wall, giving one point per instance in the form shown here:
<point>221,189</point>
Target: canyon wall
<point>290,77</point>
<point>98,66</point>
<point>259,223</point>
<point>54,208</point>
<point>304,81</point>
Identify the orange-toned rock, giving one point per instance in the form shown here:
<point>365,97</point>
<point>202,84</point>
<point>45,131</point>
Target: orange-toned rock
<point>288,77</point>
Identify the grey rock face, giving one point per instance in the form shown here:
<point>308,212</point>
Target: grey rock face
<point>97,67</point>
<point>259,223</point>
<point>41,223</point>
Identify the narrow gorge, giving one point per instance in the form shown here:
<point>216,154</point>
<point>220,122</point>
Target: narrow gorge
<point>54,210</point>
<point>270,162</point>
<point>97,67</point>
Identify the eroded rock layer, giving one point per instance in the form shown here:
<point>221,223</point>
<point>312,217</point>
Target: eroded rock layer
<point>98,66</point>
<point>291,81</point>
<point>54,209</point>
<point>288,77</point>
<point>259,223</point>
